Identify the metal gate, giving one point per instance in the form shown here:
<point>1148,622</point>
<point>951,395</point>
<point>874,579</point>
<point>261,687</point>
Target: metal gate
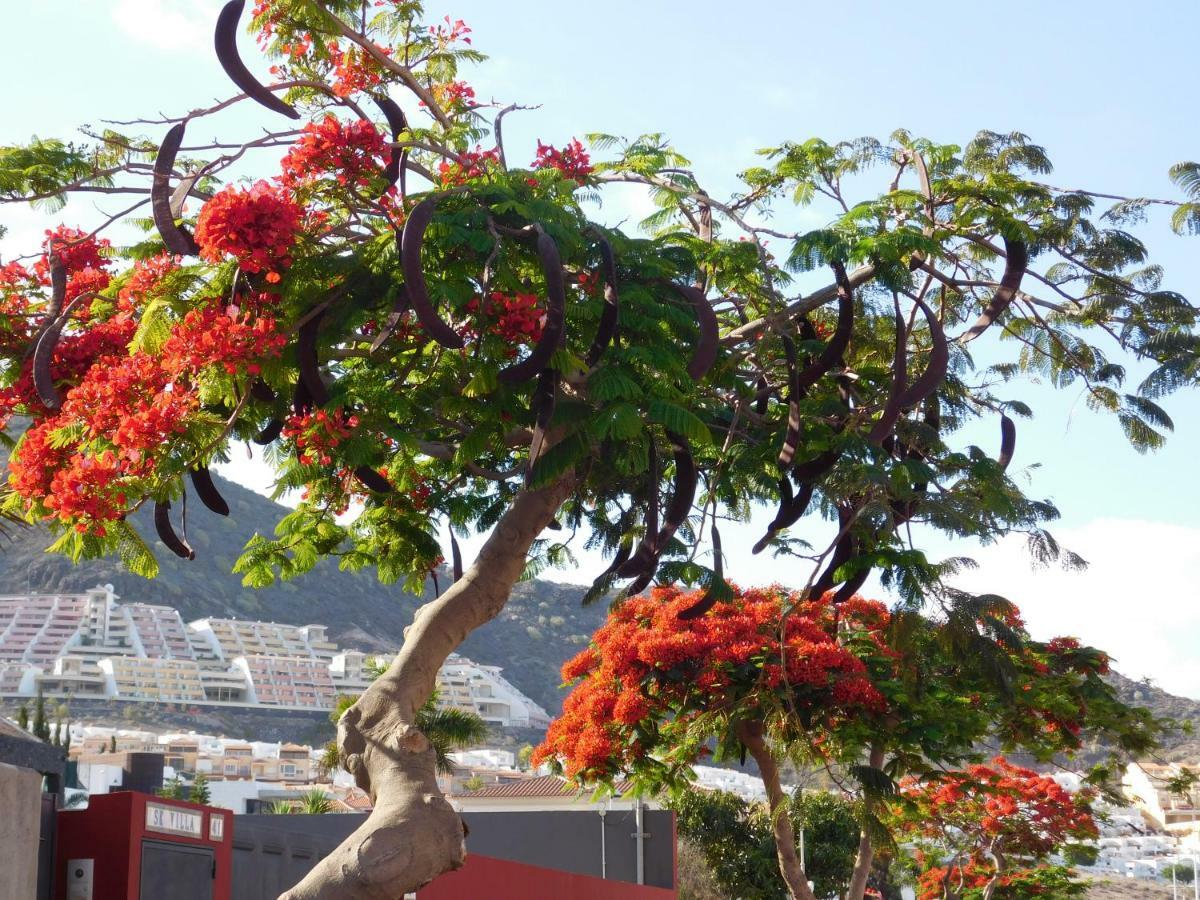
<point>176,872</point>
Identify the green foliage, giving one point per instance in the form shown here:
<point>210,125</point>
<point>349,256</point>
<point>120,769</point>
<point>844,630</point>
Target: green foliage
<point>172,790</point>
<point>736,840</point>
<point>200,792</point>
<point>1182,872</point>
<point>23,716</point>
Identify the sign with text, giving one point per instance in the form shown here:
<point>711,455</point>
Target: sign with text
<point>173,820</point>
<point>216,827</point>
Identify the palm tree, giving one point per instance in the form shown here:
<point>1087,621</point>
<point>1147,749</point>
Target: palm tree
<point>447,729</point>
<point>314,803</point>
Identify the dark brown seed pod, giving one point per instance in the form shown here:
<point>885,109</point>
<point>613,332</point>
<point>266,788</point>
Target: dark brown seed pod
<point>177,239</point>
<point>644,556</point>
<point>260,390</point>
<point>207,491</point>
<point>270,433</point>
<point>1008,441</point>
<point>709,600</point>
<point>791,508</point>
<point>397,124</point>
<point>607,329</point>
<point>372,480</point>
<point>307,360</point>
<point>58,283</point>
<point>302,401</point>
<point>939,362</point>
<point>1010,283</point>
<point>552,331</point>
<point>762,396</point>
<point>225,42</point>
<point>456,557</point>
<point>705,352</point>
<point>792,438</point>
<point>411,239</point>
<point>542,404</point>
<point>684,493</point>
<point>43,353</point>
<point>814,468</point>
<point>166,533</point>
<point>437,587</point>
<point>893,407</point>
<point>641,583</point>
<point>840,339</point>
<point>618,560</point>
<point>399,308</point>
<point>853,583</point>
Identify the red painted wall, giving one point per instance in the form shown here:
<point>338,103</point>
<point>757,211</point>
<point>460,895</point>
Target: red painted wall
<point>110,831</point>
<point>499,879</point>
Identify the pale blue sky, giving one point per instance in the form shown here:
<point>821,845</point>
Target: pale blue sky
<point>1109,88</point>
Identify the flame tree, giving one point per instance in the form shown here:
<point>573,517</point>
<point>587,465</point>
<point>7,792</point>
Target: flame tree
<point>423,325</point>
<point>871,696</point>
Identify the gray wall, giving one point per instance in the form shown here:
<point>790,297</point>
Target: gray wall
<point>272,853</point>
<point>20,832</point>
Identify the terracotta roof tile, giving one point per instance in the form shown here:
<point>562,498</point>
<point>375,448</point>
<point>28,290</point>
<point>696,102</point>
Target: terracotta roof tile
<point>543,786</point>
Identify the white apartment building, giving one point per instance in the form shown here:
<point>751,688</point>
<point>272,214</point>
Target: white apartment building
<point>90,646</point>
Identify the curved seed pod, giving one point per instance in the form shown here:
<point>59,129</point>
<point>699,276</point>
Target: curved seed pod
<point>607,329</point>
<point>225,42</point>
<point>643,558</point>
<point>705,353</point>
<point>437,587</point>
<point>306,358</point>
<point>542,403</point>
<point>636,587</point>
<point>411,239</point>
<point>552,331</point>
<point>1008,441</point>
<point>260,390</point>
<point>372,480</point>
<point>792,439</point>
<point>58,283</point>
<point>684,494</point>
<point>841,555</point>
<point>709,600</point>
<point>302,400</point>
<point>790,510</point>
<point>893,407</point>
<point>43,353</point>
<point>762,395</point>
<point>814,468</point>
<point>399,308</point>
<point>270,433</point>
<point>456,557</point>
<point>177,239</point>
<point>939,361</point>
<point>853,583</point>
<point>207,491</point>
<point>397,123</point>
<point>1010,284</point>
<point>840,339</point>
<point>618,560</point>
<point>166,533</point>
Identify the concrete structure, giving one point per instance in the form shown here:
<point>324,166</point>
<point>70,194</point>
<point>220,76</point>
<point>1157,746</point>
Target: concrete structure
<point>90,646</point>
<point>20,832</point>
<point>1147,785</point>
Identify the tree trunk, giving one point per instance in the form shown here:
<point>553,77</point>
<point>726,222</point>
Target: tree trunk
<point>413,835</point>
<point>751,734</point>
<point>866,852</point>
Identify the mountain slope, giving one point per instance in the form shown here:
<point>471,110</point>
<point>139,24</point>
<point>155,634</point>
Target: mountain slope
<point>542,625</point>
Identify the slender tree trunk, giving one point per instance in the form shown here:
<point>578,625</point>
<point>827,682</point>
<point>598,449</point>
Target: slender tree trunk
<point>413,835</point>
<point>751,734</point>
<point>866,851</point>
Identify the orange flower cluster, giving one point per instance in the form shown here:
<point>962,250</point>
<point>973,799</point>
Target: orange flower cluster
<point>470,165</point>
<point>1002,807</point>
<point>646,668</point>
<point>317,433</point>
<point>518,318</point>
<point>256,226</point>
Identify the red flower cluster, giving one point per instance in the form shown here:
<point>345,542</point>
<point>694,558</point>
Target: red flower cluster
<point>450,33</point>
<point>572,160</point>
<point>317,433</point>
<point>77,249</point>
<point>518,318</point>
<point>143,281</point>
<point>257,227</point>
<point>470,165</point>
<point>211,335</point>
<point>455,96</point>
<point>647,668</point>
<point>352,151</point>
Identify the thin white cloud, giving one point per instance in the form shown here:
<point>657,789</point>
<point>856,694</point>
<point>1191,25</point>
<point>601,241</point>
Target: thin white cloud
<point>168,25</point>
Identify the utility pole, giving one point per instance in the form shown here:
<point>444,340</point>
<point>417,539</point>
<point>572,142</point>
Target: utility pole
<point>603,852</point>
